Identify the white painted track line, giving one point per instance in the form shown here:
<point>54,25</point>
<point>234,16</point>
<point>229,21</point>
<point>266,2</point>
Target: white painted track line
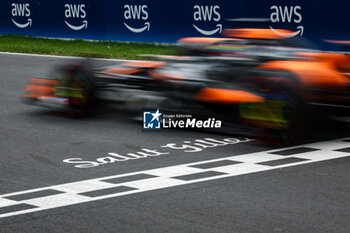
<point>113,186</point>
<point>60,57</point>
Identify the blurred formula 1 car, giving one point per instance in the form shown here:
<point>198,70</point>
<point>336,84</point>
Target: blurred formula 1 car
<point>312,83</point>
<point>253,78</point>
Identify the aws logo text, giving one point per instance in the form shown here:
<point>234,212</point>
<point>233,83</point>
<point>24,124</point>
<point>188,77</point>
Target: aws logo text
<point>136,13</point>
<point>287,14</point>
<point>19,11</point>
<point>75,11</point>
<point>208,14</point>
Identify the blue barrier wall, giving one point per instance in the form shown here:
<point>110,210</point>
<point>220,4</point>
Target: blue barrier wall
<point>167,21</point>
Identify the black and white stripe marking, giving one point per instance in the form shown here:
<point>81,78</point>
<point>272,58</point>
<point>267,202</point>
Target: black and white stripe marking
<point>61,195</point>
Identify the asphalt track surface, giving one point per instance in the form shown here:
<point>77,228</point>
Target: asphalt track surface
<point>302,190</point>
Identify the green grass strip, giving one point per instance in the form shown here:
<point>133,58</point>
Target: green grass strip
<point>82,48</point>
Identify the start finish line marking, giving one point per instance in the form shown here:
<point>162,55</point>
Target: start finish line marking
<point>61,195</point>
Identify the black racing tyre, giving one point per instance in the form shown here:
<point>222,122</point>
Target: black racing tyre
<point>76,82</point>
<point>292,113</point>
<point>281,117</point>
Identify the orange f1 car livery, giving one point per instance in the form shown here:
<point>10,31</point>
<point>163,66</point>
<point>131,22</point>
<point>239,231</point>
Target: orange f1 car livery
<point>254,78</point>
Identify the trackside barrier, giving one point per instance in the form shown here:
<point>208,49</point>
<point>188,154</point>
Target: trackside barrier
<point>167,21</point>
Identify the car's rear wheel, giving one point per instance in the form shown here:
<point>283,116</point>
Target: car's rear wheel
<point>280,116</point>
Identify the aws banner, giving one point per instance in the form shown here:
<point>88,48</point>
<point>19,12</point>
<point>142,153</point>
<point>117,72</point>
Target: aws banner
<point>167,21</point>
<point>65,19</point>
